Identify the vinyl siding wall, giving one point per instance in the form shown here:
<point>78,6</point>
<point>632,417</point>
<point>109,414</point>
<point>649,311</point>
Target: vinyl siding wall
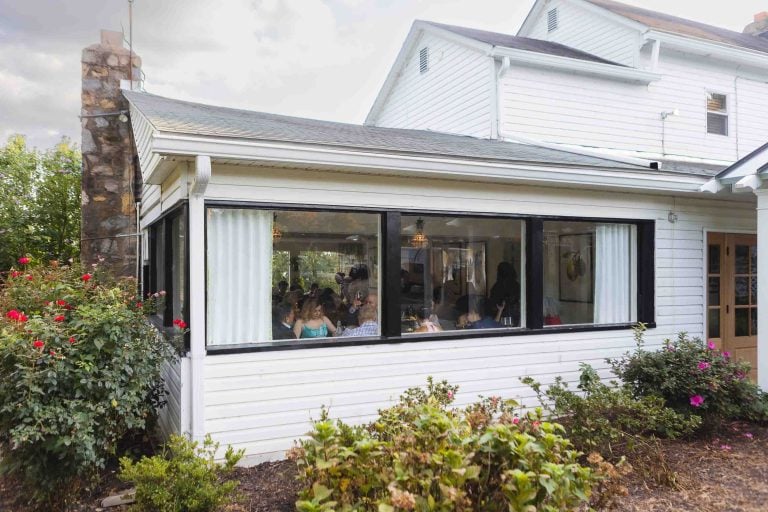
<point>589,32</point>
<point>170,421</point>
<point>263,401</point>
<point>590,111</point>
<point>453,96</point>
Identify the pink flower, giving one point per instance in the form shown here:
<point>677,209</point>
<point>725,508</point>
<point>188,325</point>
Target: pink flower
<point>748,435</point>
<point>741,375</point>
<point>86,277</point>
<point>697,400</point>
<point>15,273</point>
<point>38,343</point>
<point>24,260</point>
<point>726,355</point>
<point>711,345</point>
<point>725,447</point>
<point>450,395</point>
<point>59,318</point>
<point>161,293</point>
<point>515,420</point>
<point>703,365</point>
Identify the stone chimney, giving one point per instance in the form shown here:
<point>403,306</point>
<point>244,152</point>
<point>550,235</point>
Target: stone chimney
<point>109,163</point>
<point>759,27</point>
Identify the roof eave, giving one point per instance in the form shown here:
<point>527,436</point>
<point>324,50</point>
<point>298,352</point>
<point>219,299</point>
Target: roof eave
<point>542,60</point>
<point>732,53</point>
<point>167,146</point>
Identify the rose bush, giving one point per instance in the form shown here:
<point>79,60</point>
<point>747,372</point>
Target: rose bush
<point>79,368</point>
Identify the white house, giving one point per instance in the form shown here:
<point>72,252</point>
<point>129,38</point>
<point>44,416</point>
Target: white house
<point>547,191</point>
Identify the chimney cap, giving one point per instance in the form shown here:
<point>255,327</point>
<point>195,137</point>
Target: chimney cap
<point>112,38</point>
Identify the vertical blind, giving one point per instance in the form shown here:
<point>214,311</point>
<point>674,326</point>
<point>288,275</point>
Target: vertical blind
<point>239,263</point>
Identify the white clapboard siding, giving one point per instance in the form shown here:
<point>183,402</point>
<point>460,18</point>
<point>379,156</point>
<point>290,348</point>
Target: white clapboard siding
<point>584,30</point>
<point>156,199</point>
<point>262,401</point>
<point>170,416</point>
<point>595,112</point>
<point>453,96</point>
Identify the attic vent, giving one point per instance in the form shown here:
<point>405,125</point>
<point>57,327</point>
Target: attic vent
<point>552,20</point>
<point>424,60</point>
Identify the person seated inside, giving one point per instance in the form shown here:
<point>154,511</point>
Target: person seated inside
<point>427,321</point>
<point>278,295</point>
<point>481,313</point>
<point>352,316</point>
<point>368,317</point>
<point>283,317</point>
<point>312,322</point>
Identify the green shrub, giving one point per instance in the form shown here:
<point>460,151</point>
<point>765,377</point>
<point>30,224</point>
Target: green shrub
<point>79,368</point>
<point>693,378</point>
<point>422,455</point>
<point>607,418</point>
<point>184,478</point>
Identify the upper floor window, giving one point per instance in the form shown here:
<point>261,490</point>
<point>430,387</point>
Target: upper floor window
<point>552,19</point>
<point>717,114</point>
<point>424,60</point>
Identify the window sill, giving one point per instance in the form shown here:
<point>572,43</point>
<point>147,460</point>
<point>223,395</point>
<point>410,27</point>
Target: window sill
<point>411,338</point>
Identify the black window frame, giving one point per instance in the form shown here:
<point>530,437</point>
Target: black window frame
<point>390,250</point>
<point>165,323</point>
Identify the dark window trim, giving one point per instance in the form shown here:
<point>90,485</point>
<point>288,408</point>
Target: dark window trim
<point>390,290</point>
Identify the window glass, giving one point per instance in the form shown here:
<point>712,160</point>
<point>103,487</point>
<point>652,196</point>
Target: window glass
<point>460,273</point>
<point>158,275</point>
<point>589,273</point>
<point>717,114</point>
<point>317,272</point>
<point>178,266</point>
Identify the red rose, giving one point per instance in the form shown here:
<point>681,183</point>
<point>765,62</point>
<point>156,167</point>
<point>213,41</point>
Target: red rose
<point>13,315</point>
<point>15,273</point>
<point>29,277</point>
<point>47,303</point>
<point>38,344</point>
<point>61,302</point>
<point>181,324</point>
<point>59,318</point>
<point>86,277</point>
<point>72,340</point>
<point>24,260</point>
<point>53,353</point>
<point>22,318</point>
<point>139,305</point>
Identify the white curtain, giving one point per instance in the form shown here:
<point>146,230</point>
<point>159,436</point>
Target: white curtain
<point>613,273</point>
<point>239,276</point>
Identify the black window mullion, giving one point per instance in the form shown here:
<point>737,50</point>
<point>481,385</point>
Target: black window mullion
<point>389,276</point>
<point>534,270</point>
<point>646,263</point>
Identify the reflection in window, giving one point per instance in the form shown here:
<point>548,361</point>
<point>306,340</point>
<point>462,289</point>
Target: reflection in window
<point>317,270</point>
<point>460,273</point>
<point>589,273</point>
<point>178,265</point>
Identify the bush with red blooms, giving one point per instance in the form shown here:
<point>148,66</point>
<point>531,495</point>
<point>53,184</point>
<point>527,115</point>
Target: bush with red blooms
<point>80,368</point>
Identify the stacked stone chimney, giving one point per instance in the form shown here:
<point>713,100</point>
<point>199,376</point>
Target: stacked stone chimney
<point>759,27</point>
<point>109,164</point>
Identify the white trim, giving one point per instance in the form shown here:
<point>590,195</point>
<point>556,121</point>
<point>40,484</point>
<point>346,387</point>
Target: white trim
<point>608,14</point>
<point>713,186</point>
<point>265,153</point>
<point>752,181</point>
<point>732,53</point>
<point>585,67</point>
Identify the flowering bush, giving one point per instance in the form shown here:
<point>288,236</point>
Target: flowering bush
<point>184,478</point>
<point>79,368</point>
<point>422,455</point>
<point>693,378</point>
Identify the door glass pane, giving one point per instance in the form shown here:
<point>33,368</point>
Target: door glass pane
<point>742,259</point>
<point>713,321</point>
<point>714,291</point>
<point>741,290</point>
<point>753,290</point>
<point>742,322</point>
<point>753,259</point>
<point>714,259</point>
<point>754,321</point>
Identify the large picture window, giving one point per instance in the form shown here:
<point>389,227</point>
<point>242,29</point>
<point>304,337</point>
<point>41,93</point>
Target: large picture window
<point>589,273</point>
<point>301,277</point>
<point>285,275</point>
<point>460,273</point>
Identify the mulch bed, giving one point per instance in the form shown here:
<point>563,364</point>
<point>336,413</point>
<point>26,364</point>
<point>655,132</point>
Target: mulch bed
<point>728,473</point>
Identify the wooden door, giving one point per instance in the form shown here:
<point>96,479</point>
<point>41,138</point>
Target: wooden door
<point>732,295</point>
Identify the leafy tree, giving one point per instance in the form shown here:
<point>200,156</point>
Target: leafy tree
<point>39,201</point>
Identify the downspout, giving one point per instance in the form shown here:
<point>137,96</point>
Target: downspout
<point>197,295</point>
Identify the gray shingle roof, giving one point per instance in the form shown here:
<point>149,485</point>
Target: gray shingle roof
<point>183,117</point>
<point>522,43</point>
<point>682,26</point>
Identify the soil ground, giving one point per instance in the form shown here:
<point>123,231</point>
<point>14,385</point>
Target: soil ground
<point>727,473</point>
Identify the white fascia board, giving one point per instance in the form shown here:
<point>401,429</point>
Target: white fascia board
<point>610,71</point>
<point>731,53</point>
<point>445,167</point>
<point>417,29</point>
<point>747,167</point>
<point>605,13</point>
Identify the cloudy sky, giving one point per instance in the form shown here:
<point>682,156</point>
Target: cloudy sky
<point>313,58</point>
